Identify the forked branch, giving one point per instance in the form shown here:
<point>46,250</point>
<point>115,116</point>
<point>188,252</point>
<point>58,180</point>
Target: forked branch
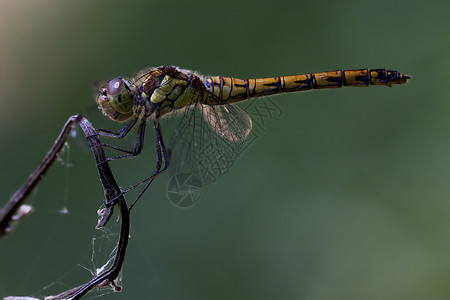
<point>111,191</point>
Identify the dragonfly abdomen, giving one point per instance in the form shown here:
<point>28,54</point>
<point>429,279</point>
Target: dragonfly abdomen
<point>229,89</point>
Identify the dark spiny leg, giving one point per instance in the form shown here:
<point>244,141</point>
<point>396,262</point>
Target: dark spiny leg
<point>118,135</point>
<point>160,149</point>
<point>138,144</point>
<point>161,154</point>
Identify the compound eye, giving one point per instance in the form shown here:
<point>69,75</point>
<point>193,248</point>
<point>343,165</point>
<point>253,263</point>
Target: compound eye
<point>115,87</point>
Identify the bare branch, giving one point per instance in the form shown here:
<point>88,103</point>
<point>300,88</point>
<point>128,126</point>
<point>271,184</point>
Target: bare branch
<point>111,191</point>
<point>7,212</point>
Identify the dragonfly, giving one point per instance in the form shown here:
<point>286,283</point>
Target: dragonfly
<point>212,127</point>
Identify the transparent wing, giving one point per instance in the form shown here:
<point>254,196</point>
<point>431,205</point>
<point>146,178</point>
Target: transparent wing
<point>207,142</point>
<point>220,120</point>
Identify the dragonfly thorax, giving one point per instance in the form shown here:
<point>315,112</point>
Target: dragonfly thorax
<point>169,93</point>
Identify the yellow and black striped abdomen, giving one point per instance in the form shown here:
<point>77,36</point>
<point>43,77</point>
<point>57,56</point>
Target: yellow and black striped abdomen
<point>229,89</point>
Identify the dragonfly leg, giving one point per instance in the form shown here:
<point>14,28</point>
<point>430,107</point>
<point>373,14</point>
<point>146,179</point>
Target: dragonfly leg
<point>138,145</point>
<point>118,135</point>
<point>158,146</point>
<point>161,151</point>
<point>161,156</point>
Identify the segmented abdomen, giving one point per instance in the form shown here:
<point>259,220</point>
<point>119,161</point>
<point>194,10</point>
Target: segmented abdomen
<point>229,89</point>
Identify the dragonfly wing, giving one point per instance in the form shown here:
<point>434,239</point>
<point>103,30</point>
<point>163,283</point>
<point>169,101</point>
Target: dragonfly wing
<point>207,142</point>
<point>224,122</point>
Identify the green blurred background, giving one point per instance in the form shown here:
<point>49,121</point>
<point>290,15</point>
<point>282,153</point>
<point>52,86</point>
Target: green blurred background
<point>345,196</point>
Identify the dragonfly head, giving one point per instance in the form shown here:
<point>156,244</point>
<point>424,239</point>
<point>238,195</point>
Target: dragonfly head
<point>116,100</point>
